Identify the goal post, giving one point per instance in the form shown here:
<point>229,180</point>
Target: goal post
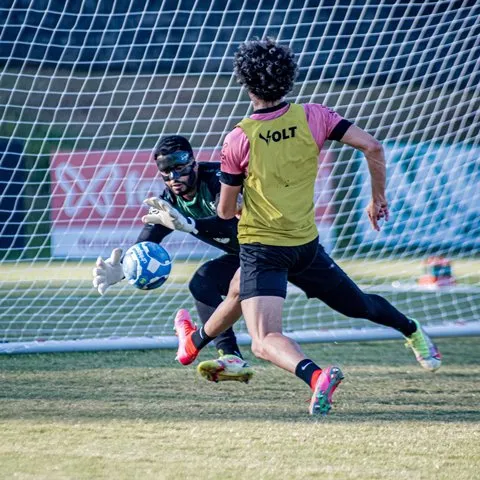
<point>87,90</point>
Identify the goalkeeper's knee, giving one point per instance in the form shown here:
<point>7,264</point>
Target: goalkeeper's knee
<point>204,289</point>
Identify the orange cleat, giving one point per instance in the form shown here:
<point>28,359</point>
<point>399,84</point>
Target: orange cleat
<point>184,327</point>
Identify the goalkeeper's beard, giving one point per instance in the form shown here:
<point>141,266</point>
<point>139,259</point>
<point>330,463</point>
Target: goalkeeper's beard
<point>190,184</point>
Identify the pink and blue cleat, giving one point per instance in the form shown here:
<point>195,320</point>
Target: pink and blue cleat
<point>327,382</point>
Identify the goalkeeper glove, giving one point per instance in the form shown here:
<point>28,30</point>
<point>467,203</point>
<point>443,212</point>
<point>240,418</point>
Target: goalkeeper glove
<point>108,272</point>
<point>163,213</point>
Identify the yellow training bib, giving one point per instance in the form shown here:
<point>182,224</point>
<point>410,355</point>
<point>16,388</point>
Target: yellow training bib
<point>278,191</point>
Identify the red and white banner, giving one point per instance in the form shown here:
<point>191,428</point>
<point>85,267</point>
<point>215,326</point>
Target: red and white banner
<point>97,197</point>
<point>97,200</point>
<point>101,188</point>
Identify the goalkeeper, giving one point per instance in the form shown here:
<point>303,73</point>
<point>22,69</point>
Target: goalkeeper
<point>188,204</point>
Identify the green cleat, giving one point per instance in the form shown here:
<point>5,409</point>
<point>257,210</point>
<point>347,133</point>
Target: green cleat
<point>225,368</point>
<point>426,352</point>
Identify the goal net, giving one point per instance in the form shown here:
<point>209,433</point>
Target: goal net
<point>88,88</point>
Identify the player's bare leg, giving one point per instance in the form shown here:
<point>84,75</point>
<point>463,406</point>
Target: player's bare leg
<point>227,367</point>
<point>226,314</point>
<point>263,316</point>
<point>192,339</point>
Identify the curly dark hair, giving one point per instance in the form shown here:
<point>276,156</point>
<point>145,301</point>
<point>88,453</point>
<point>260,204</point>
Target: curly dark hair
<point>265,68</point>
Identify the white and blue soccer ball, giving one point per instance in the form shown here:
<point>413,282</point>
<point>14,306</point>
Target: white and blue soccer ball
<point>146,265</point>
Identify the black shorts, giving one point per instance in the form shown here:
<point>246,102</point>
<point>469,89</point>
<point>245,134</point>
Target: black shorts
<point>321,276</point>
<point>266,269</point>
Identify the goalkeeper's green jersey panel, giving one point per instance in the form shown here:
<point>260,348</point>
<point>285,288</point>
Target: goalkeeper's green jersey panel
<point>202,205</point>
<point>278,191</point>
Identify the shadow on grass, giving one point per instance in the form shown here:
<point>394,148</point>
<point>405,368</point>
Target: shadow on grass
<point>150,386</point>
<point>202,412</point>
<point>159,395</point>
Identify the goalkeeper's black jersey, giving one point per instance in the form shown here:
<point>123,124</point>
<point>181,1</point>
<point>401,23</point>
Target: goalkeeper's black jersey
<point>211,229</point>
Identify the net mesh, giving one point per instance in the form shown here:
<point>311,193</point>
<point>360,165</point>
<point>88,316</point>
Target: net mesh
<point>87,89</point>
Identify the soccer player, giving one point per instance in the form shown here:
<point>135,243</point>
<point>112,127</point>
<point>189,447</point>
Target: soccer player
<point>191,194</point>
<point>272,158</point>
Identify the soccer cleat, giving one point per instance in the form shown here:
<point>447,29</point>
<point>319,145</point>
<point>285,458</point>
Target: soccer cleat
<point>327,382</point>
<point>427,354</point>
<point>184,327</point>
<point>225,368</point>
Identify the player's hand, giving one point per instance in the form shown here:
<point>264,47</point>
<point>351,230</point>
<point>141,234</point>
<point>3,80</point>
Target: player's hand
<point>161,212</point>
<point>108,272</point>
<point>376,210</point>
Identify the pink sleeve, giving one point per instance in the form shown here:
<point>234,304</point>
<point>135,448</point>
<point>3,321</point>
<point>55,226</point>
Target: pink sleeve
<point>235,153</point>
<point>321,120</point>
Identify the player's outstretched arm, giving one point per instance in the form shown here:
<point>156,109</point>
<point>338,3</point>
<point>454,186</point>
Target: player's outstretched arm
<point>108,272</point>
<point>373,151</point>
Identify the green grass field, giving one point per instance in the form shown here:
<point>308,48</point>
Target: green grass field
<point>467,270</point>
<point>125,415</point>
<point>56,300</point>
